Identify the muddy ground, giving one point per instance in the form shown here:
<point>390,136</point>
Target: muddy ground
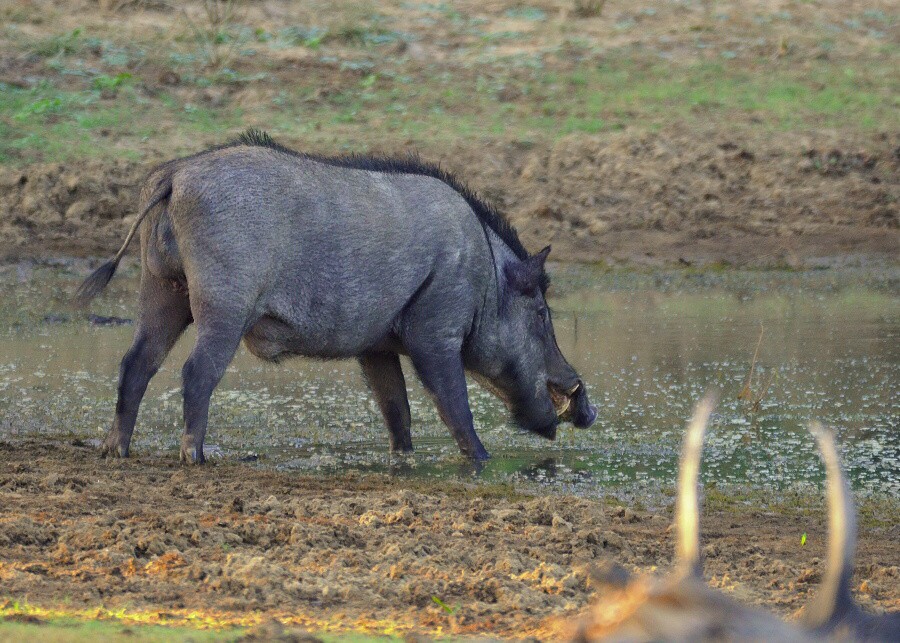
<point>648,198</point>
<point>531,104</point>
<point>238,545</point>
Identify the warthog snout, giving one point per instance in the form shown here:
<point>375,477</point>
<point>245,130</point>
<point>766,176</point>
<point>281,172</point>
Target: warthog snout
<point>572,404</point>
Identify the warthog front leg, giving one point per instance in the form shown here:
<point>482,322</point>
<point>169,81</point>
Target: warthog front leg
<point>164,316</point>
<point>444,377</point>
<point>385,378</point>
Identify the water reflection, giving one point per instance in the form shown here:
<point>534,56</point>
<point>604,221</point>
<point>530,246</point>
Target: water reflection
<point>646,345</point>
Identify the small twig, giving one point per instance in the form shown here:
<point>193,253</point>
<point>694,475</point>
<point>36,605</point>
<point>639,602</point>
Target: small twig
<point>763,392</point>
<point>752,398</point>
<point>747,392</point>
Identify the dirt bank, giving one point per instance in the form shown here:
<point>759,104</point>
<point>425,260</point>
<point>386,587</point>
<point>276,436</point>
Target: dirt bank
<point>649,198</point>
<point>750,133</point>
<point>239,545</point>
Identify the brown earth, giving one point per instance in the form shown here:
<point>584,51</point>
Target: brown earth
<point>232,544</point>
<point>727,188</point>
<point>625,197</point>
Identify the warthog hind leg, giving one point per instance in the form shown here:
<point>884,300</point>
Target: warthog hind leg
<point>218,336</point>
<point>385,378</point>
<point>164,316</point>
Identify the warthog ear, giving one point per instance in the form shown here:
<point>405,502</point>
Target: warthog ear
<point>527,276</point>
<point>541,257</point>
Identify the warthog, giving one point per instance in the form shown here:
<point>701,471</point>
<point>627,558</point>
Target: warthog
<point>355,256</point>
<point>682,607</point>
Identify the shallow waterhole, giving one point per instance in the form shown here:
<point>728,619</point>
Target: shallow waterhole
<point>647,345</point>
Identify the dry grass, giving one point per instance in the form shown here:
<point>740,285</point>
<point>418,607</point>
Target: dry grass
<point>588,8</point>
<point>753,398</point>
<point>214,30</point>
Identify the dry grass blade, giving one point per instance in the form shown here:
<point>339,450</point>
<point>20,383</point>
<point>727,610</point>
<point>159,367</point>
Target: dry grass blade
<point>213,31</point>
<point>753,398</point>
<point>588,8</point>
<point>747,392</point>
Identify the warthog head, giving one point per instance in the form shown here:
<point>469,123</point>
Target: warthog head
<point>683,607</point>
<point>534,379</point>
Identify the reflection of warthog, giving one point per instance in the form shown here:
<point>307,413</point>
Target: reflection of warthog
<point>683,607</point>
<point>362,257</point>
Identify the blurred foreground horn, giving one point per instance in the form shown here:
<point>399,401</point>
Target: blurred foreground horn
<point>687,510</point>
<point>834,600</point>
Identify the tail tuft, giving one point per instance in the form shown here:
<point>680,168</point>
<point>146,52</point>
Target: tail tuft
<point>95,284</point>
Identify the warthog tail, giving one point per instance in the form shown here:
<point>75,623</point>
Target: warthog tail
<point>834,601</point>
<point>94,285</point>
<point>687,510</point>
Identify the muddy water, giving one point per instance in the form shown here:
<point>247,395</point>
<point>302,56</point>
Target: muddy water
<point>647,345</point>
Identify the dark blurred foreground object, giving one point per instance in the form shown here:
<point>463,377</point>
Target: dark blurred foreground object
<point>683,607</point>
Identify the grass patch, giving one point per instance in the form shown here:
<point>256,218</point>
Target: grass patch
<point>64,44</point>
<point>46,123</point>
<point>104,82</point>
<point>50,124</point>
<point>23,627</point>
<point>21,621</point>
<point>781,99</point>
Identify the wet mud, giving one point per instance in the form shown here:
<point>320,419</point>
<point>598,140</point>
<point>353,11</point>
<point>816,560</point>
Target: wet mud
<point>242,545</point>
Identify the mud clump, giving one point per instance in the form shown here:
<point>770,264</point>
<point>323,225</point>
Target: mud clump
<point>623,197</point>
<point>356,552</point>
<point>73,209</point>
<point>675,198</point>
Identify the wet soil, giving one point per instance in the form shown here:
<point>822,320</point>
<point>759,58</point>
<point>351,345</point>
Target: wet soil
<point>624,197</point>
<point>240,545</point>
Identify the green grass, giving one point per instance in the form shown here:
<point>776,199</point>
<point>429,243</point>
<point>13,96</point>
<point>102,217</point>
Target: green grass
<point>50,123</point>
<point>21,621</point>
<point>782,99</point>
<point>61,44</point>
<point>64,630</point>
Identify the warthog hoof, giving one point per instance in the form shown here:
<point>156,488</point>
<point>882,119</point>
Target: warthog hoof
<point>191,453</point>
<point>114,447</point>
